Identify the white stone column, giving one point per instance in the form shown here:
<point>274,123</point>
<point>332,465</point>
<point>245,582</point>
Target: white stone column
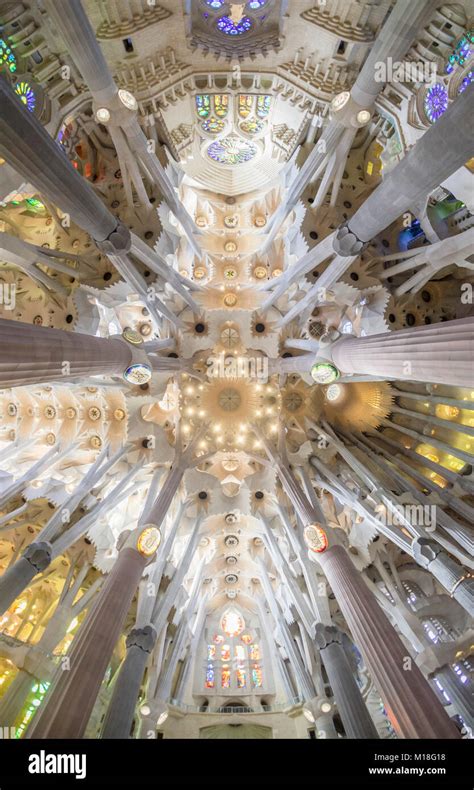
<point>439,353</point>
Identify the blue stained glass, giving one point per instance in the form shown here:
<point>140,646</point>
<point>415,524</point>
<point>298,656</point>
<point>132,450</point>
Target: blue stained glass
<point>203,105</point>
<point>254,5</point>
<point>6,56</point>
<point>229,28</point>
<point>461,52</point>
<point>214,3</point>
<point>26,95</point>
<point>466,81</point>
<point>436,102</point>
<point>263,106</point>
<point>232,151</point>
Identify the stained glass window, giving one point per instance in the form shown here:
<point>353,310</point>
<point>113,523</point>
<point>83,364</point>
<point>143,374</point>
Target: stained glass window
<point>7,57</point>
<point>232,151</point>
<point>256,676</point>
<point>461,52</point>
<point>218,639</point>
<point>225,677</point>
<point>226,25</point>
<point>211,652</point>
<point>241,678</point>
<point>254,5</point>
<point>232,622</point>
<point>210,676</point>
<point>254,653</point>
<point>26,94</point>
<point>245,104</point>
<point>240,652</point>
<point>203,105</point>
<point>225,652</point>
<point>263,106</point>
<point>436,102</point>
<point>246,638</point>
<point>215,3</point>
<point>252,127</point>
<point>221,104</point>
<point>466,81</point>
<point>213,125</point>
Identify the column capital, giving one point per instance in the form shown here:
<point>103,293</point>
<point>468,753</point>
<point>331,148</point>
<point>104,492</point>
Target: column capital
<point>346,242</point>
<point>425,551</point>
<point>118,241</point>
<point>39,555</point>
<point>144,638</point>
<point>327,635</point>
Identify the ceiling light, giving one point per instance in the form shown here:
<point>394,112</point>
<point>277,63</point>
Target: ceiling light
<point>308,715</point>
<point>325,707</point>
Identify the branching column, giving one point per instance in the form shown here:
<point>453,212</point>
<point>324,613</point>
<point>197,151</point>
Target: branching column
<point>68,706</point>
<point>410,702</point>
<point>354,714</point>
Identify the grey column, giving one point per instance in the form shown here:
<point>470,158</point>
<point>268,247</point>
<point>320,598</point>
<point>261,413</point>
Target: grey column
<point>13,700</point>
<point>27,146</point>
<point>74,26</point>
<point>410,702</point>
<point>460,694</point>
<point>35,354</point>
<point>398,33</point>
<point>352,708</point>
<point>18,576</point>
<point>451,574</point>
<point>68,704</point>
<point>439,353</point>
<point>392,43</point>
<point>444,148</point>
<point>140,643</point>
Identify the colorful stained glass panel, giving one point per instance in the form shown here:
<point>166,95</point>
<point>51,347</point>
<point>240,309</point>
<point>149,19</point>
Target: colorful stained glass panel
<point>256,676</point>
<point>436,102</point>
<point>230,28</point>
<point>221,104</point>
<point>210,677</point>
<point>263,106</point>
<point>232,151</point>
<point>225,677</point>
<point>203,105</point>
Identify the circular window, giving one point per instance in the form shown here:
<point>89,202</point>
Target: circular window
<point>232,150</point>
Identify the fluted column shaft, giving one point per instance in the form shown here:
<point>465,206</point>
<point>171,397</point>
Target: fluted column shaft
<point>352,708</point>
<point>406,20</point>
<point>119,716</point>
<point>451,574</point>
<point>28,148</point>
<point>445,147</point>
<point>17,577</point>
<point>460,694</point>
<point>68,706</point>
<point>439,353</point>
<point>35,354</point>
<point>410,702</point>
